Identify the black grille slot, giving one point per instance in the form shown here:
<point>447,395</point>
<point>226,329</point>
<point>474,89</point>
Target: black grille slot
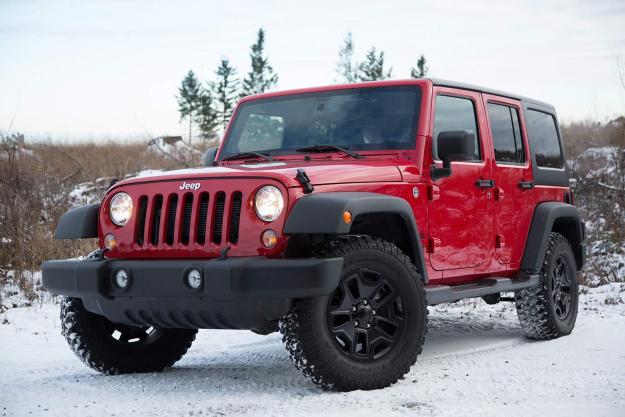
<point>202,219</point>
<point>235,216</point>
<point>156,218</point>
<point>171,219</point>
<point>186,218</point>
<point>141,213</point>
<point>218,220</point>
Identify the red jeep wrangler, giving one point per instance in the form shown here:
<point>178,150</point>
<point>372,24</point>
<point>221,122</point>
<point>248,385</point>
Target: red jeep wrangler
<point>336,215</point>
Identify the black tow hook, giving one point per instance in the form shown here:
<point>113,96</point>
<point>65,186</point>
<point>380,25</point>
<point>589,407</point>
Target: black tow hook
<point>303,179</point>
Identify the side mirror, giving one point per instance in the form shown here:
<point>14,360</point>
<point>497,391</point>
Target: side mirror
<point>456,145</point>
<point>209,157</point>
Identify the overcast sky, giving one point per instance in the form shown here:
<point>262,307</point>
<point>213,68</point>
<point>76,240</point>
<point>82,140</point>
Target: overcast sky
<point>94,69</point>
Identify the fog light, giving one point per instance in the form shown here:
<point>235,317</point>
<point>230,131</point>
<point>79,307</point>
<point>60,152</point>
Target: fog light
<point>194,279</point>
<point>121,278</point>
<point>269,238</point>
<point>110,242</point>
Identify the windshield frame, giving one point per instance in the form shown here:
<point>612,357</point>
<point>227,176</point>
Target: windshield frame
<point>414,124</point>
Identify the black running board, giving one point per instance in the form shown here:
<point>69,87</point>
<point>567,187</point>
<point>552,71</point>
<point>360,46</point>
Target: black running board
<point>438,294</point>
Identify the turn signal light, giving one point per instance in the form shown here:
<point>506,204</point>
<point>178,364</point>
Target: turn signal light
<point>269,238</point>
<point>347,217</point>
<point>110,242</point>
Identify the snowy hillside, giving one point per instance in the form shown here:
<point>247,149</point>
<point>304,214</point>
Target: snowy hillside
<point>475,362</point>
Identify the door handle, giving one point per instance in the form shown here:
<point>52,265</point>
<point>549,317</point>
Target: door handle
<point>526,185</point>
<point>485,183</point>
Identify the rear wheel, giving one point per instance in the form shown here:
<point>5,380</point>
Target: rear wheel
<point>549,309</point>
<point>114,348</point>
<point>368,333</point>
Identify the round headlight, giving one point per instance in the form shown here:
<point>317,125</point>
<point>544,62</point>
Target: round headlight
<point>120,208</point>
<point>268,203</point>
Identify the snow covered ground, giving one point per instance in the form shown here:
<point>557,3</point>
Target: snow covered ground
<point>475,362</point>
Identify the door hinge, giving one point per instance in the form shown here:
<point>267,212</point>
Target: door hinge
<point>434,192</point>
<point>433,243</point>
<point>499,194</point>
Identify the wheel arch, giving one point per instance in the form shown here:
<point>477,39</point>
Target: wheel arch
<point>78,223</point>
<point>377,215</point>
<point>551,217</point>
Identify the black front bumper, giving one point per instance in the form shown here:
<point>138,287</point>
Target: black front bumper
<point>237,293</point>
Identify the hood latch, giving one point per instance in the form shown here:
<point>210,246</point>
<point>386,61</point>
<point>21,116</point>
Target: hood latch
<point>303,179</point>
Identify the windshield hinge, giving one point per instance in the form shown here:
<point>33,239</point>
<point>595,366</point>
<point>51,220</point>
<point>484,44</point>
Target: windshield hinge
<point>303,179</point>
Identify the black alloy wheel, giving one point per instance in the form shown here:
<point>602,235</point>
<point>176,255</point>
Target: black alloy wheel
<point>561,288</point>
<point>366,315</point>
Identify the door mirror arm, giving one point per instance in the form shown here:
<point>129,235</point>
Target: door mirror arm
<point>209,157</point>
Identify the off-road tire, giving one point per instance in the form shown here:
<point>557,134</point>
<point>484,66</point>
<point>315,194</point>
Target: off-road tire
<point>313,348</point>
<point>536,306</point>
<point>89,337</point>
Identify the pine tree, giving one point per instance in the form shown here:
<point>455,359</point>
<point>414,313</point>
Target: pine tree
<point>261,77</point>
<point>421,70</point>
<point>346,68</point>
<point>206,117</point>
<point>225,92</point>
<point>188,99</point>
<point>372,69</point>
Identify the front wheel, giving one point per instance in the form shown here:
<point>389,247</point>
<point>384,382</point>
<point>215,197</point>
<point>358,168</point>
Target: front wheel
<point>549,309</point>
<point>368,333</point>
<point>113,348</point>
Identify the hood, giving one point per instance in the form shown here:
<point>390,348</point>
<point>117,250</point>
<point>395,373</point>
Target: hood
<point>329,172</point>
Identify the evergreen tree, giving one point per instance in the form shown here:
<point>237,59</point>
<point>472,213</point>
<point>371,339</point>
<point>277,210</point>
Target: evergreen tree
<point>225,92</point>
<point>261,77</point>
<point>206,117</point>
<point>188,99</point>
<point>372,69</point>
<point>346,68</point>
<point>421,70</point>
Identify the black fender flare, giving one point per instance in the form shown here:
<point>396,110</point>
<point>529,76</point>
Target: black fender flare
<point>322,214</point>
<point>78,223</point>
<point>548,217</point>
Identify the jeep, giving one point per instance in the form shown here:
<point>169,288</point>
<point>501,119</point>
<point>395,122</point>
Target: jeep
<point>334,215</point>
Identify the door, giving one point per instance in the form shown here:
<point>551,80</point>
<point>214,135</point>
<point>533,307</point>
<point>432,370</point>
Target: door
<point>512,173</point>
<point>459,213</point>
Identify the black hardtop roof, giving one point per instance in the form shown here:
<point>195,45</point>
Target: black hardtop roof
<point>464,86</point>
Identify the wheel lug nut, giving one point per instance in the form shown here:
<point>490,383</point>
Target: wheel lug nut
<point>353,308</point>
<point>355,323</point>
<point>364,302</point>
<point>373,312</point>
<point>368,325</point>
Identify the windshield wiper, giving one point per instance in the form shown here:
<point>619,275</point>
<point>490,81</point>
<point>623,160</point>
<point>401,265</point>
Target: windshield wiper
<point>243,155</point>
<point>330,148</point>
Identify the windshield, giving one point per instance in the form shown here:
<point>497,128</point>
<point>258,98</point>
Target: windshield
<point>357,119</point>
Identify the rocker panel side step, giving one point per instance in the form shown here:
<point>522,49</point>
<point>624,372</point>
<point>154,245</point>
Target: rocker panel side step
<point>438,294</point>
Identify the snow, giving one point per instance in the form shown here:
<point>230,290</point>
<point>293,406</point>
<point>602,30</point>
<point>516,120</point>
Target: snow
<point>475,362</point>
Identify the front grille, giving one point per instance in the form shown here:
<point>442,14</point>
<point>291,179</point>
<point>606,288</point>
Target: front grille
<point>187,218</point>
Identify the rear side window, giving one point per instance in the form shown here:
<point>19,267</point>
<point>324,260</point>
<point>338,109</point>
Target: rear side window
<point>504,128</point>
<point>454,113</point>
<point>541,128</point>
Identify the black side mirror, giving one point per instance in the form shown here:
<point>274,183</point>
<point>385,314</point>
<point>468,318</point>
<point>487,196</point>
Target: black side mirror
<point>456,145</point>
<point>209,157</point>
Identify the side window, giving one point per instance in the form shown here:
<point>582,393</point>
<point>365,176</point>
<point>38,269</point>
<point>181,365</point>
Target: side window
<point>454,113</point>
<point>504,128</point>
<point>541,128</point>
